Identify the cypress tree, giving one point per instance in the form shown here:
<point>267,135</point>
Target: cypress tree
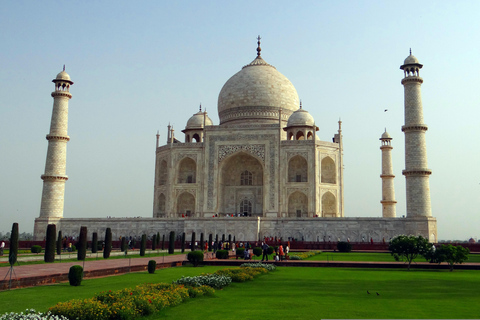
<point>202,245</point>
<point>143,245</point>
<point>183,242</point>
<point>163,242</point>
<point>210,239</point>
<point>216,238</point>
<point>192,244</point>
<point>154,242</point>
<point>223,237</point>
<point>108,244</point>
<point>171,243</point>
<point>94,242</point>
<point>123,244</point>
<point>82,244</point>
<point>59,243</point>
<point>12,256</point>
<point>158,239</point>
<point>49,255</point>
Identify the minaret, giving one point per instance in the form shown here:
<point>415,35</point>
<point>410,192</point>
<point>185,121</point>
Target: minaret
<point>416,172</point>
<point>388,190</point>
<point>54,177</point>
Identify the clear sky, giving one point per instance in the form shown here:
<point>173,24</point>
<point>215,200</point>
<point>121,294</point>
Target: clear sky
<point>138,65</point>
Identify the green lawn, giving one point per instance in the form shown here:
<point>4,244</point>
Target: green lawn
<point>293,293</point>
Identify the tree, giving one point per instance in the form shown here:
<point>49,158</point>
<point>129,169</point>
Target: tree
<point>59,243</point>
<point>143,245</point>
<point>407,248</point>
<point>12,255</point>
<point>183,242</point>
<point>163,242</point>
<point>202,242</point>
<point>210,239</point>
<point>171,243</point>
<point>82,244</point>
<point>123,244</point>
<point>452,254</point>
<point>108,243</point>
<point>49,255</point>
<point>94,242</point>
<point>192,244</point>
<point>158,240</point>
<point>154,242</point>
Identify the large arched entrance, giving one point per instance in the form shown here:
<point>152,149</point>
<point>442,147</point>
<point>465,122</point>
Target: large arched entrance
<point>241,186</point>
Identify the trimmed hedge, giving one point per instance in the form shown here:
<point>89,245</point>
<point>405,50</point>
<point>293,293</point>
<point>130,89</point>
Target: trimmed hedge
<point>152,265</point>
<point>36,249</point>
<point>344,246</point>
<point>195,257</point>
<point>50,244</point>
<point>108,243</point>
<point>75,275</point>
<point>221,254</point>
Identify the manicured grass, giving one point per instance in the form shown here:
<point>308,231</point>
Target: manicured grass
<point>369,256</point>
<point>292,293</point>
<point>42,297</point>
<point>319,293</point>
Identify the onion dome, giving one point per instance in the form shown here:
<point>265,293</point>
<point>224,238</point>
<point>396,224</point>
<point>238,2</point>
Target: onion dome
<point>410,61</point>
<point>255,94</point>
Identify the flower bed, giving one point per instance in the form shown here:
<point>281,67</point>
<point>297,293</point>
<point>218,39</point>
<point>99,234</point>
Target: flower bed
<point>303,255</point>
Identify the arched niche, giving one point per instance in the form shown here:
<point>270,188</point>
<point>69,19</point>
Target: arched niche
<point>328,171</point>
<point>297,169</point>
<point>187,171</point>
<point>329,205</point>
<point>185,205</point>
<point>297,205</point>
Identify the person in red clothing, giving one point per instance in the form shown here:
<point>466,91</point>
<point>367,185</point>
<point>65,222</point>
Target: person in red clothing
<point>280,252</point>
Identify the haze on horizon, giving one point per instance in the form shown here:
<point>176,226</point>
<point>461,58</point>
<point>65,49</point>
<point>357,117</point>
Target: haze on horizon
<point>139,66</point>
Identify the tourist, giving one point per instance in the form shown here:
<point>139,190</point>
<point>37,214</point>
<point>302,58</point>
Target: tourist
<point>287,249</point>
<point>280,252</point>
<point>265,251</point>
<point>2,246</point>
<point>246,254</point>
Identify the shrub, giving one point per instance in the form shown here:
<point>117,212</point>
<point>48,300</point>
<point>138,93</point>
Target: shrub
<point>270,250</point>
<point>75,275</point>
<point>195,257</point>
<point>123,244</point>
<point>212,280</point>
<point>257,251</point>
<point>36,249</point>
<point>50,244</point>
<point>154,242</point>
<point>192,243</point>
<point>239,252</point>
<point>269,267</point>
<point>344,246</point>
<point>221,254</point>
<point>30,314</point>
<point>183,242</point>
<point>152,265</point>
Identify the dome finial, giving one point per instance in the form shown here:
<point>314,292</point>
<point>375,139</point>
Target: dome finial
<point>258,48</point>
<point>300,104</point>
<point>200,109</point>
<point>410,51</point>
<point>63,67</point>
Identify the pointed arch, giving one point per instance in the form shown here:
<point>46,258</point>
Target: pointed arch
<point>329,205</point>
<point>162,179</point>
<point>187,171</point>
<point>196,137</point>
<point>185,204</point>
<point>300,135</point>
<point>297,169</point>
<point>328,170</point>
<point>297,205</point>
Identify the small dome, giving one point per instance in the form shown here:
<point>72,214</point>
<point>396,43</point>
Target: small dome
<point>63,76</point>
<point>411,60</point>
<point>386,136</point>
<point>300,118</point>
<point>196,121</point>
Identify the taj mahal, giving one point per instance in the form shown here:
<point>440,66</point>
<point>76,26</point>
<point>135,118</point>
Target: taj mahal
<point>262,171</point>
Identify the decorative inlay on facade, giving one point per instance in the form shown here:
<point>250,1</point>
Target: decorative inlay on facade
<point>179,191</point>
<point>271,139</point>
<point>180,156</point>
<point>293,154</point>
<point>305,191</point>
<point>255,149</point>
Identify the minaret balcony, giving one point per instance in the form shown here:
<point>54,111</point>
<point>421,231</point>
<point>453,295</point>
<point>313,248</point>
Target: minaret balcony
<point>417,172</point>
<point>415,127</point>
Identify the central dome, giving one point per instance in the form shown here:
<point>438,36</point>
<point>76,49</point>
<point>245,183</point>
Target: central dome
<point>255,94</point>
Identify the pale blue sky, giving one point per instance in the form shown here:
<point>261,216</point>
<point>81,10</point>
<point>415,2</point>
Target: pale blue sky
<point>139,65</point>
